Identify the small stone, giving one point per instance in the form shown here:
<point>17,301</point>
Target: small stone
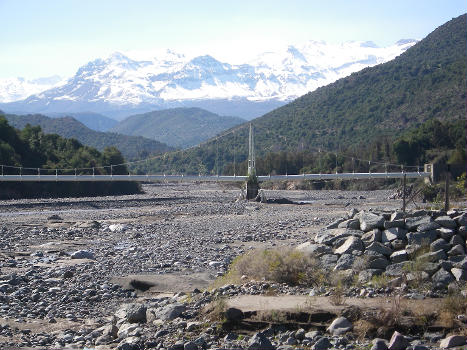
<point>339,326</point>
<point>82,254</point>
<point>260,342</point>
<point>322,344</point>
<point>453,340</point>
<point>379,344</point>
<point>398,342</point>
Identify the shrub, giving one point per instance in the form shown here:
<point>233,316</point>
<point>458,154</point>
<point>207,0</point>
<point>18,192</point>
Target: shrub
<point>284,265</point>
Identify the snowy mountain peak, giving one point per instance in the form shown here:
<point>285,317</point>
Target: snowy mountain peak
<point>163,77</point>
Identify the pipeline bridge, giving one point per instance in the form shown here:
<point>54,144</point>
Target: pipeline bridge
<point>57,177</point>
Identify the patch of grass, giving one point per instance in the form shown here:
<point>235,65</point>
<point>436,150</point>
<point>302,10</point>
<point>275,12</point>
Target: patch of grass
<point>273,316</point>
<point>380,281</point>
<point>282,265</point>
<point>216,310</point>
<point>453,305</point>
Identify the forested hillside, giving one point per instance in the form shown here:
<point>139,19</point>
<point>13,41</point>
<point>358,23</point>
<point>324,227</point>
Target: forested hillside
<point>24,151</point>
<point>132,147</point>
<point>377,104</point>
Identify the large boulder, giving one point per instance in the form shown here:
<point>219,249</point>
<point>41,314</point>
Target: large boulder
<point>395,270</point>
<point>459,274</point>
<point>399,256</point>
<point>370,221</point>
<point>366,275</point>
<point>171,311</point>
<point>379,248</point>
<point>353,224</point>
<point>452,341</point>
<point>328,237</point>
<point>377,262</point>
<point>428,226</point>
<point>456,250</point>
<point>442,278</point>
<point>392,234</point>
<point>322,344</point>
<point>445,233</point>
<point>413,222</point>
<point>446,221</point>
<point>314,249</point>
<point>371,236</point>
<point>433,256</point>
<point>461,220</point>
<point>351,243</point>
<point>424,237</point>
<point>260,342</point>
<point>132,313</point>
<point>82,254</point>
<point>345,262</point>
<point>398,342</point>
<point>339,326</point>
<point>440,244</point>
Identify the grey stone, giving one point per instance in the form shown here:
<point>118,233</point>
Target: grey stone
<point>335,224</point>
<point>351,213</point>
<point>439,244</point>
<point>372,236</point>
<point>300,334</point>
<point>366,275</point>
<point>430,268</point>
<point>445,233</point>
<point>379,248</point>
<point>456,239</point>
<point>461,219</point>
<point>322,344</point>
<point>413,222</point>
<point>190,346</point>
<point>345,262</point>
<point>433,256</point>
<point>397,215</point>
<point>442,277</point>
<point>132,313</point>
<point>351,243</point>
<point>379,344</point>
<point>452,341</point>
<point>328,237</point>
<point>392,234</point>
<point>398,342</point>
<point>461,264</point>
<point>171,311</point>
<point>82,254</point>
<point>425,237</point>
<point>395,270</point>
<point>260,342</point>
<point>312,335</point>
<point>399,256</point>
<point>378,263</point>
<point>314,249</point>
<point>396,223</point>
<point>459,274</point>
<point>353,224</point>
<point>398,244</point>
<point>428,226</point>
<point>130,343</point>
<point>462,231</point>
<point>457,250</point>
<point>339,326</point>
<point>446,221</point>
<point>370,221</point>
<point>328,260</point>
<point>128,330</point>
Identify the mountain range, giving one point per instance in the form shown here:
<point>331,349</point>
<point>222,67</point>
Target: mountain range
<point>132,147</point>
<point>426,82</point>
<point>119,86</point>
<point>177,127</point>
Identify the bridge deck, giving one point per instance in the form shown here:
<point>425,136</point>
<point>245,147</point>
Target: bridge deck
<point>193,178</point>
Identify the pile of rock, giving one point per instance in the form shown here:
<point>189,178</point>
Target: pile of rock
<point>373,243</point>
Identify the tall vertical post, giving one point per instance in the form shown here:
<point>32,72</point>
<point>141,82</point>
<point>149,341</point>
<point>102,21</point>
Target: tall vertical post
<point>403,193</point>
<point>252,186</point>
<point>446,189</point>
<point>251,153</point>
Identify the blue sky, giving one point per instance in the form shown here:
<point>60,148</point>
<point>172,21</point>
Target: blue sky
<point>47,37</point>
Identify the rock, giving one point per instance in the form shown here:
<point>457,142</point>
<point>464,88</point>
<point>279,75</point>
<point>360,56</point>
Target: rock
<point>399,256</point>
<point>413,222</point>
<point>314,249</point>
<point>461,219</point>
<point>370,221</point>
<point>328,261</point>
<point>457,250</point>
<point>398,342</point>
<point>339,326</point>
<point>433,256</point>
<point>118,227</point>
<point>397,215</point>
<point>459,274</point>
<point>171,311</point>
<point>312,335</point>
<point>462,231</point>
<point>445,233</point>
<point>345,262</point>
<point>55,218</point>
<point>439,244</point>
<point>190,346</point>
<point>335,224</point>
<point>430,268</point>
<point>442,277</point>
<point>233,314</point>
<point>395,270</point>
<point>328,237</point>
<point>128,330</point>
<point>398,244</point>
<point>446,221</point>
<point>353,224</point>
<point>425,237</point>
<point>379,344</point>
<point>378,263</point>
<point>300,334</point>
<point>351,243</point>
<point>372,236</point>
<point>132,313</point>
<point>82,254</point>
<point>130,343</point>
<point>260,342</point>
<point>366,275</point>
<point>453,340</point>
<point>396,223</point>
<point>392,234</point>
<point>428,227</point>
<point>379,248</point>
<point>322,344</point>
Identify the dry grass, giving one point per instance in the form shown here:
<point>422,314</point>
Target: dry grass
<point>453,305</point>
<point>282,265</point>
<point>215,311</point>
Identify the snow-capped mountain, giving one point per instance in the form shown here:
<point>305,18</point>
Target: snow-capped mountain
<point>14,89</point>
<point>121,85</point>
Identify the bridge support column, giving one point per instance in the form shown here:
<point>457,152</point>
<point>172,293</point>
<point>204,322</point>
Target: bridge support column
<point>252,190</point>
